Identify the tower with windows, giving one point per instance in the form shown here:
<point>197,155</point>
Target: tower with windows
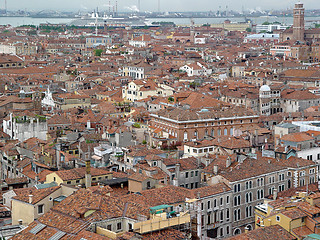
<point>298,22</point>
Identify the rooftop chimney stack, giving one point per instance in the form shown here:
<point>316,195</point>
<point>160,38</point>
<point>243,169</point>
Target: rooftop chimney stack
<point>228,162</point>
<point>215,169</point>
<point>30,198</point>
<point>275,194</point>
<point>88,173</point>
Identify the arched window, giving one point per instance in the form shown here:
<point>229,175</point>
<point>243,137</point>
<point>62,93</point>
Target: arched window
<point>231,131</point>
<point>235,215</point>
<point>237,231</point>
<point>212,132</point>
<point>249,227</point>
<point>225,131</point>
<point>221,232</point>
<point>185,136</point>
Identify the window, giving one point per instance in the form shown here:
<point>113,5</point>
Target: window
<point>271,190</point>
<point>311,180</point>
<point>236,187</point>
<point>209,204</point>
<point>281,177</point>
<point>228,199</point>
<point>248,211</point>
<point>77,181</point>
<point>221,201</point>
<point>209,218</point>
<point>221,232</point>
<point>225,132</point>
<point>249,185</point>
<point>309,157</point>
<point>187,174</point>
<point>237,215</point>
<point>248,197</point>
<point>237,200</point>
<point>196,173</point>
<point>40,209</point>
<point>118,225</point>
<point>278,218</point>
<point>281,187</point>
<point>69,182</point>
<point>109,227</point>
<point>191,173</point>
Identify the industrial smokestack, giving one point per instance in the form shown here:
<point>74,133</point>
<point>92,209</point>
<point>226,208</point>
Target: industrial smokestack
<point>116,8</point>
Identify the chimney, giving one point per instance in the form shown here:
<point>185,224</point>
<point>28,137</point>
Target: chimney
<point>30,199</point>
<point>207,162</point>
<point>275,194</point>
<point>215,169</point>
<point>88,174</point>
<point>228,162</point>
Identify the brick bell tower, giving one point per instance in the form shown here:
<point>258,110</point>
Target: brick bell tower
<point>298,22</point>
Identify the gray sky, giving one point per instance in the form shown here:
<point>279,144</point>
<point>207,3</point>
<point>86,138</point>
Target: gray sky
<point>152,5</point>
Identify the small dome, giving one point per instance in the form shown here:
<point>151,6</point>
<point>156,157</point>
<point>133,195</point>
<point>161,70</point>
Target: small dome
<point>265,88</point>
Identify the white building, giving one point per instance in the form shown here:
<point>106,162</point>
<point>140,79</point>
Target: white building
<point>264,98</point>
<point>196,69</point>
<point>25,127</point>
<point>140,89</point>
<point>262,38</point>
<point>141,41</point>
<point>7,49</point>
<point>270,27</point>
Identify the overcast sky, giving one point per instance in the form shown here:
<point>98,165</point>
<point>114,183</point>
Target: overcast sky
<point>152,5</point>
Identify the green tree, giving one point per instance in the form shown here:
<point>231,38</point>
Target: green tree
<point>248,29</point>
<point>136,125</point>
<point>170,99</point>
<point>98,52</point>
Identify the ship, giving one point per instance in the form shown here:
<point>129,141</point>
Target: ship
<point>111,20</point>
